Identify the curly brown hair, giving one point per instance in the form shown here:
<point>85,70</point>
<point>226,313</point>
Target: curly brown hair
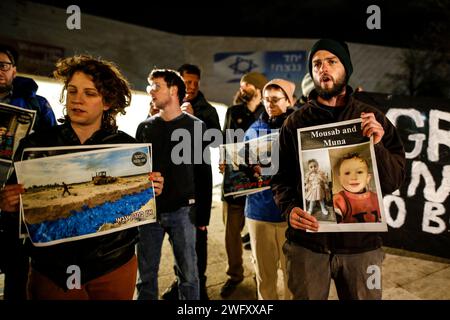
<point>108,81</point>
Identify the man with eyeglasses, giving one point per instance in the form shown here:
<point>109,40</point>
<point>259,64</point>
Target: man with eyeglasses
<point>20,92</point>
<point>196,104</point>
<point>184,205</point>
<point>264,220</point>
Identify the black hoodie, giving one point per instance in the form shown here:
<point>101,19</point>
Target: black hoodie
<point>287,183</point>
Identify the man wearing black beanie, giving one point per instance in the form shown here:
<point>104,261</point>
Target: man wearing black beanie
<point>338,48</point>
<point>313,259</point>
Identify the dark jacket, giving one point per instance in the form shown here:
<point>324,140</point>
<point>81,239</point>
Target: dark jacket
<point>287,183</point>
<point>184,183</point>
<point>205,111</point>
<point>95,256</point>
<point>208,114</point>
<point>260,205</point>
<point>24,95</point>
<point>239,117</point>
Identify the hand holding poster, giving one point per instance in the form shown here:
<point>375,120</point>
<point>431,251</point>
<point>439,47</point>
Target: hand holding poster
<point>86,194</point>
<point>341,186</point>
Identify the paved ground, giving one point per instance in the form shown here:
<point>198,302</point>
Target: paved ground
<point>406,275</point>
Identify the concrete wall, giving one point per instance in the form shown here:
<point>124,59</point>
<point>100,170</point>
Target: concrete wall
<point>137,50</point>
<point>370,63</point>
<point>134,49</point>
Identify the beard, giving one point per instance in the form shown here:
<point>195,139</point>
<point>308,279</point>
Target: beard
<point>247,96</point>
<point>335,90</point>
<point>6,88</point>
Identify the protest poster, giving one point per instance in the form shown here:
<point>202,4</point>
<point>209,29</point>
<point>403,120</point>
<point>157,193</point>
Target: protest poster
<point>86,194</point>
<point>248,165</point>
<point>341,186</point>
<point>39,152</point>
<point>15,123</point>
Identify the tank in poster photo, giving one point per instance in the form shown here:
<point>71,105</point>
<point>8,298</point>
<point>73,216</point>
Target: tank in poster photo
<point>85,194</point>
<point>340,179</point>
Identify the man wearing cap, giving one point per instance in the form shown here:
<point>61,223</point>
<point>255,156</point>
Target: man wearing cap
<point>19,92</point>
<point>239,117</point>
<point>263,218</point>
<point>314,258</point>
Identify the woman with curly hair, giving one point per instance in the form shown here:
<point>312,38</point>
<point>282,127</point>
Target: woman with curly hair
<point>94,93</point>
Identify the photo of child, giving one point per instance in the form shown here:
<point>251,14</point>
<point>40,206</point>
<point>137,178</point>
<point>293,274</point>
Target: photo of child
<point>316,187</point>
<point>355,203</point>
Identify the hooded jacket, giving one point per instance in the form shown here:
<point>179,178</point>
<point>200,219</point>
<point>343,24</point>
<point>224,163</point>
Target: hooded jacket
<point>261,206</point>
<point>287,183</point>
<point>24,96</point>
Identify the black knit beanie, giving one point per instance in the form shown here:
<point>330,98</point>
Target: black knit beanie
<point>338,48</point>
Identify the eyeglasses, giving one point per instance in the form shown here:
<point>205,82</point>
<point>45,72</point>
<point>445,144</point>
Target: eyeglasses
<point>5,66</point>
<point>273,100</point>
<point>153,87</point>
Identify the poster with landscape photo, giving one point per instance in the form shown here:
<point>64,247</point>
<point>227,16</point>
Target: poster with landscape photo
<point>341,187</point>
<point>86,194</point>
<point>39,152</point>
<point>248,165</point>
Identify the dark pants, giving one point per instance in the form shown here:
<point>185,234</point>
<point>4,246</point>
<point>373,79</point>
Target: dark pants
<point>234,219</point>
<point>14,261</point>
<point>181,230</point>
<point>310,273</point>
<point>201,247</point>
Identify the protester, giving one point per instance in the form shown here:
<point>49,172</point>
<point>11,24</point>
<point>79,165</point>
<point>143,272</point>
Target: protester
<point>95,92</point>
<point>314,258</point>
<point>196,104</point>
<point>239,116</point>
<point>20,92</point>
<point>264,221</point>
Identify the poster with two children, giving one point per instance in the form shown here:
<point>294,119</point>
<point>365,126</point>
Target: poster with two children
<point>341,186</point>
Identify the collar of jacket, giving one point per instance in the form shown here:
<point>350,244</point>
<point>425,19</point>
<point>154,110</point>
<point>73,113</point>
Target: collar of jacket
<point>277,122</point>
<point>199,100</point>
<point>23,87</point>
<point>98,136</point>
